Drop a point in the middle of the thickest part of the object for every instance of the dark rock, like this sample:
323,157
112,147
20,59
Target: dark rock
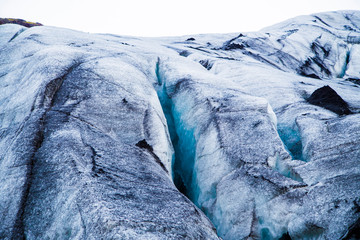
184,53
19,22
327,98
233,46
206,64
145,145
190,39
285,236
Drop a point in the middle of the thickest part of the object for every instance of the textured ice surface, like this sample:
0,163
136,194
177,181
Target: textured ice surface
73,111
97,129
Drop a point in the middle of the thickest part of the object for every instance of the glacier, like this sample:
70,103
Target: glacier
215,136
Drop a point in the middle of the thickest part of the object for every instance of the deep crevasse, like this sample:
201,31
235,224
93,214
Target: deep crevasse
182,139
202,159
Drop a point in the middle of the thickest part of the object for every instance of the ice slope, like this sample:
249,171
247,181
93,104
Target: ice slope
283,64
97,129
75,110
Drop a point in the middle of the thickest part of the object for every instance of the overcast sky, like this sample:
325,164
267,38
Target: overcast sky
166,17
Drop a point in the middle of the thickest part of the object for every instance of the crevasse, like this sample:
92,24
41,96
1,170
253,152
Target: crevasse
345,65
183,140
291,138
176,108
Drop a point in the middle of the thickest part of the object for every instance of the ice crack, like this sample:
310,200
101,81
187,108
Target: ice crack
182,139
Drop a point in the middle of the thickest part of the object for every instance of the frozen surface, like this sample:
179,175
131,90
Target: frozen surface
76,113
103,136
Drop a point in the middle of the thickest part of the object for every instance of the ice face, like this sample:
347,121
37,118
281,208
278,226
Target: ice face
238,210
106,136
212,126
75,120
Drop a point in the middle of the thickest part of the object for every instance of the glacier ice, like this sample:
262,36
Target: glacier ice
105,136
70,163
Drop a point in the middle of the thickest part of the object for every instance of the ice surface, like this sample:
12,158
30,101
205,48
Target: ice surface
105,136
73,112
9,32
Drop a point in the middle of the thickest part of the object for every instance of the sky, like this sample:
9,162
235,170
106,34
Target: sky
153,18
